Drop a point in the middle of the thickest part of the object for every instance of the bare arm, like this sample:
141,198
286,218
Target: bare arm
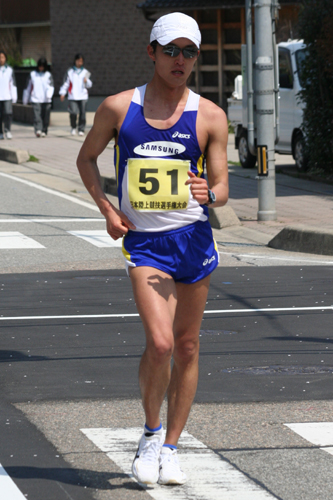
212,132
107,121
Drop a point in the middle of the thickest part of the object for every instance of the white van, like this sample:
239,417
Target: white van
291,54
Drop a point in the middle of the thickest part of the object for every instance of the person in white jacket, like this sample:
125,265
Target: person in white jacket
39,92
8,96
76,82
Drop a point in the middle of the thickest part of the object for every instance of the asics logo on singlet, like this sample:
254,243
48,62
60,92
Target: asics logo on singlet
159,148
208,261
181,136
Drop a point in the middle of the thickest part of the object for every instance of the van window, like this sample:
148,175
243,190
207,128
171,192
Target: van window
300,59
286,79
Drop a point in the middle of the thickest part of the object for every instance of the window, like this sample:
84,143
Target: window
300,58
286,79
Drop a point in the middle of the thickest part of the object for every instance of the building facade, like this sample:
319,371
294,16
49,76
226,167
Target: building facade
113,36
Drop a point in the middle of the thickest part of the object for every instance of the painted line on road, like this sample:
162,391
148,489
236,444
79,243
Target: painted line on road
77,219
98,238
291,259
13,240
52,191
209,476
317,433
9,490
126,315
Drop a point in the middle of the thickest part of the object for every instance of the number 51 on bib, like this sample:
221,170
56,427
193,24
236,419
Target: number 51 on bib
158,184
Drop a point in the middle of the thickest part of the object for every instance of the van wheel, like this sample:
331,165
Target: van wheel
247,160
300,159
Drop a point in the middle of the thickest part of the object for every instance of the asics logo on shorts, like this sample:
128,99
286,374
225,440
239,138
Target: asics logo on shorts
181,136
208,261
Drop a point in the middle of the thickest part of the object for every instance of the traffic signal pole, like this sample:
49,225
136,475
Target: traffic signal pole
264,93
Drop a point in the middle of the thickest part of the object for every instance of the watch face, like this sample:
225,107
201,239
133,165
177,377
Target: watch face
212,197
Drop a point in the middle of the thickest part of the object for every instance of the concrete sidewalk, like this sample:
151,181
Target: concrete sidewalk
303,204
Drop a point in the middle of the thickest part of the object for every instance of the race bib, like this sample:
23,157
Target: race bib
158,184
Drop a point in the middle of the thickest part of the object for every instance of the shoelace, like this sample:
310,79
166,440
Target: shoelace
171,459
151,450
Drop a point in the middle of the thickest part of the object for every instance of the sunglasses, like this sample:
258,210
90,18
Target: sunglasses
174,51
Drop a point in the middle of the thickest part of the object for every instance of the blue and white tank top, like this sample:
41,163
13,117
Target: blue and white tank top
151,168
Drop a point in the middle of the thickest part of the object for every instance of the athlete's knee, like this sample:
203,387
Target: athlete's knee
186,350
160,350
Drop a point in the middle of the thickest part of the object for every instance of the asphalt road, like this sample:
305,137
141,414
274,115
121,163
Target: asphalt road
70,346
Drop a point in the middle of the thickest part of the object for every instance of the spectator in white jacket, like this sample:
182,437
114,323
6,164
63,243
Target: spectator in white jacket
39,92
76,82
8,96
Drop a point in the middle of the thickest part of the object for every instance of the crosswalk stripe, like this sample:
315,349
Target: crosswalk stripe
9,490
15,240
99,238
209,476
317,433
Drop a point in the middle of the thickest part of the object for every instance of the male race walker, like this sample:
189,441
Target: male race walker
165,135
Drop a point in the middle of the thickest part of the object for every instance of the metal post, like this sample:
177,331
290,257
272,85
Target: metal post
264,98
249,77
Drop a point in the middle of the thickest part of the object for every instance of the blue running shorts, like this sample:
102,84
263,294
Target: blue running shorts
188,254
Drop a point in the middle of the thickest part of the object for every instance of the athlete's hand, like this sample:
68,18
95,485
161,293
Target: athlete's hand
199,188
117,224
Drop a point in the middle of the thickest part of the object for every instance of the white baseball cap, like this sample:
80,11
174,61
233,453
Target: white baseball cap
175,25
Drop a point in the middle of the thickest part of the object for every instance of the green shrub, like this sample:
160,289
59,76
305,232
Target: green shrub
316,28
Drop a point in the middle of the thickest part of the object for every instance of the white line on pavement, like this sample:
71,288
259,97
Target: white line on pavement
209,476
9,490
317,433
77,219
99,238
217,311
298,260
14,240
52,191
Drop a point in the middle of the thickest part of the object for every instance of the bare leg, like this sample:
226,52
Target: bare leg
155,297
184,378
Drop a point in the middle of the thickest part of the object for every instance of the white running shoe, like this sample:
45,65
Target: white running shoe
170,471
9,135
38,133
81,132
43,134
145,466
73,131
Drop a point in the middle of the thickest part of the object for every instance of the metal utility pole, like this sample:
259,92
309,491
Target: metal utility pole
264,95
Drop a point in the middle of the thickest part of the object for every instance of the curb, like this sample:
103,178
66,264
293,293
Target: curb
13,155
304,239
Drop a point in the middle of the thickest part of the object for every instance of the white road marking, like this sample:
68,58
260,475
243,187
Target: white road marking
14,240
9,490
287,259
45,220
209,476
126,315
99,238
52,191
317,433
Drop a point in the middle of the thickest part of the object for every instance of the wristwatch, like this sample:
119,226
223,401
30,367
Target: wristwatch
211,198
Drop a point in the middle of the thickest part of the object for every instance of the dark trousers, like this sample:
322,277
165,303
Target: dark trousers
6,114
77,108
42,112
